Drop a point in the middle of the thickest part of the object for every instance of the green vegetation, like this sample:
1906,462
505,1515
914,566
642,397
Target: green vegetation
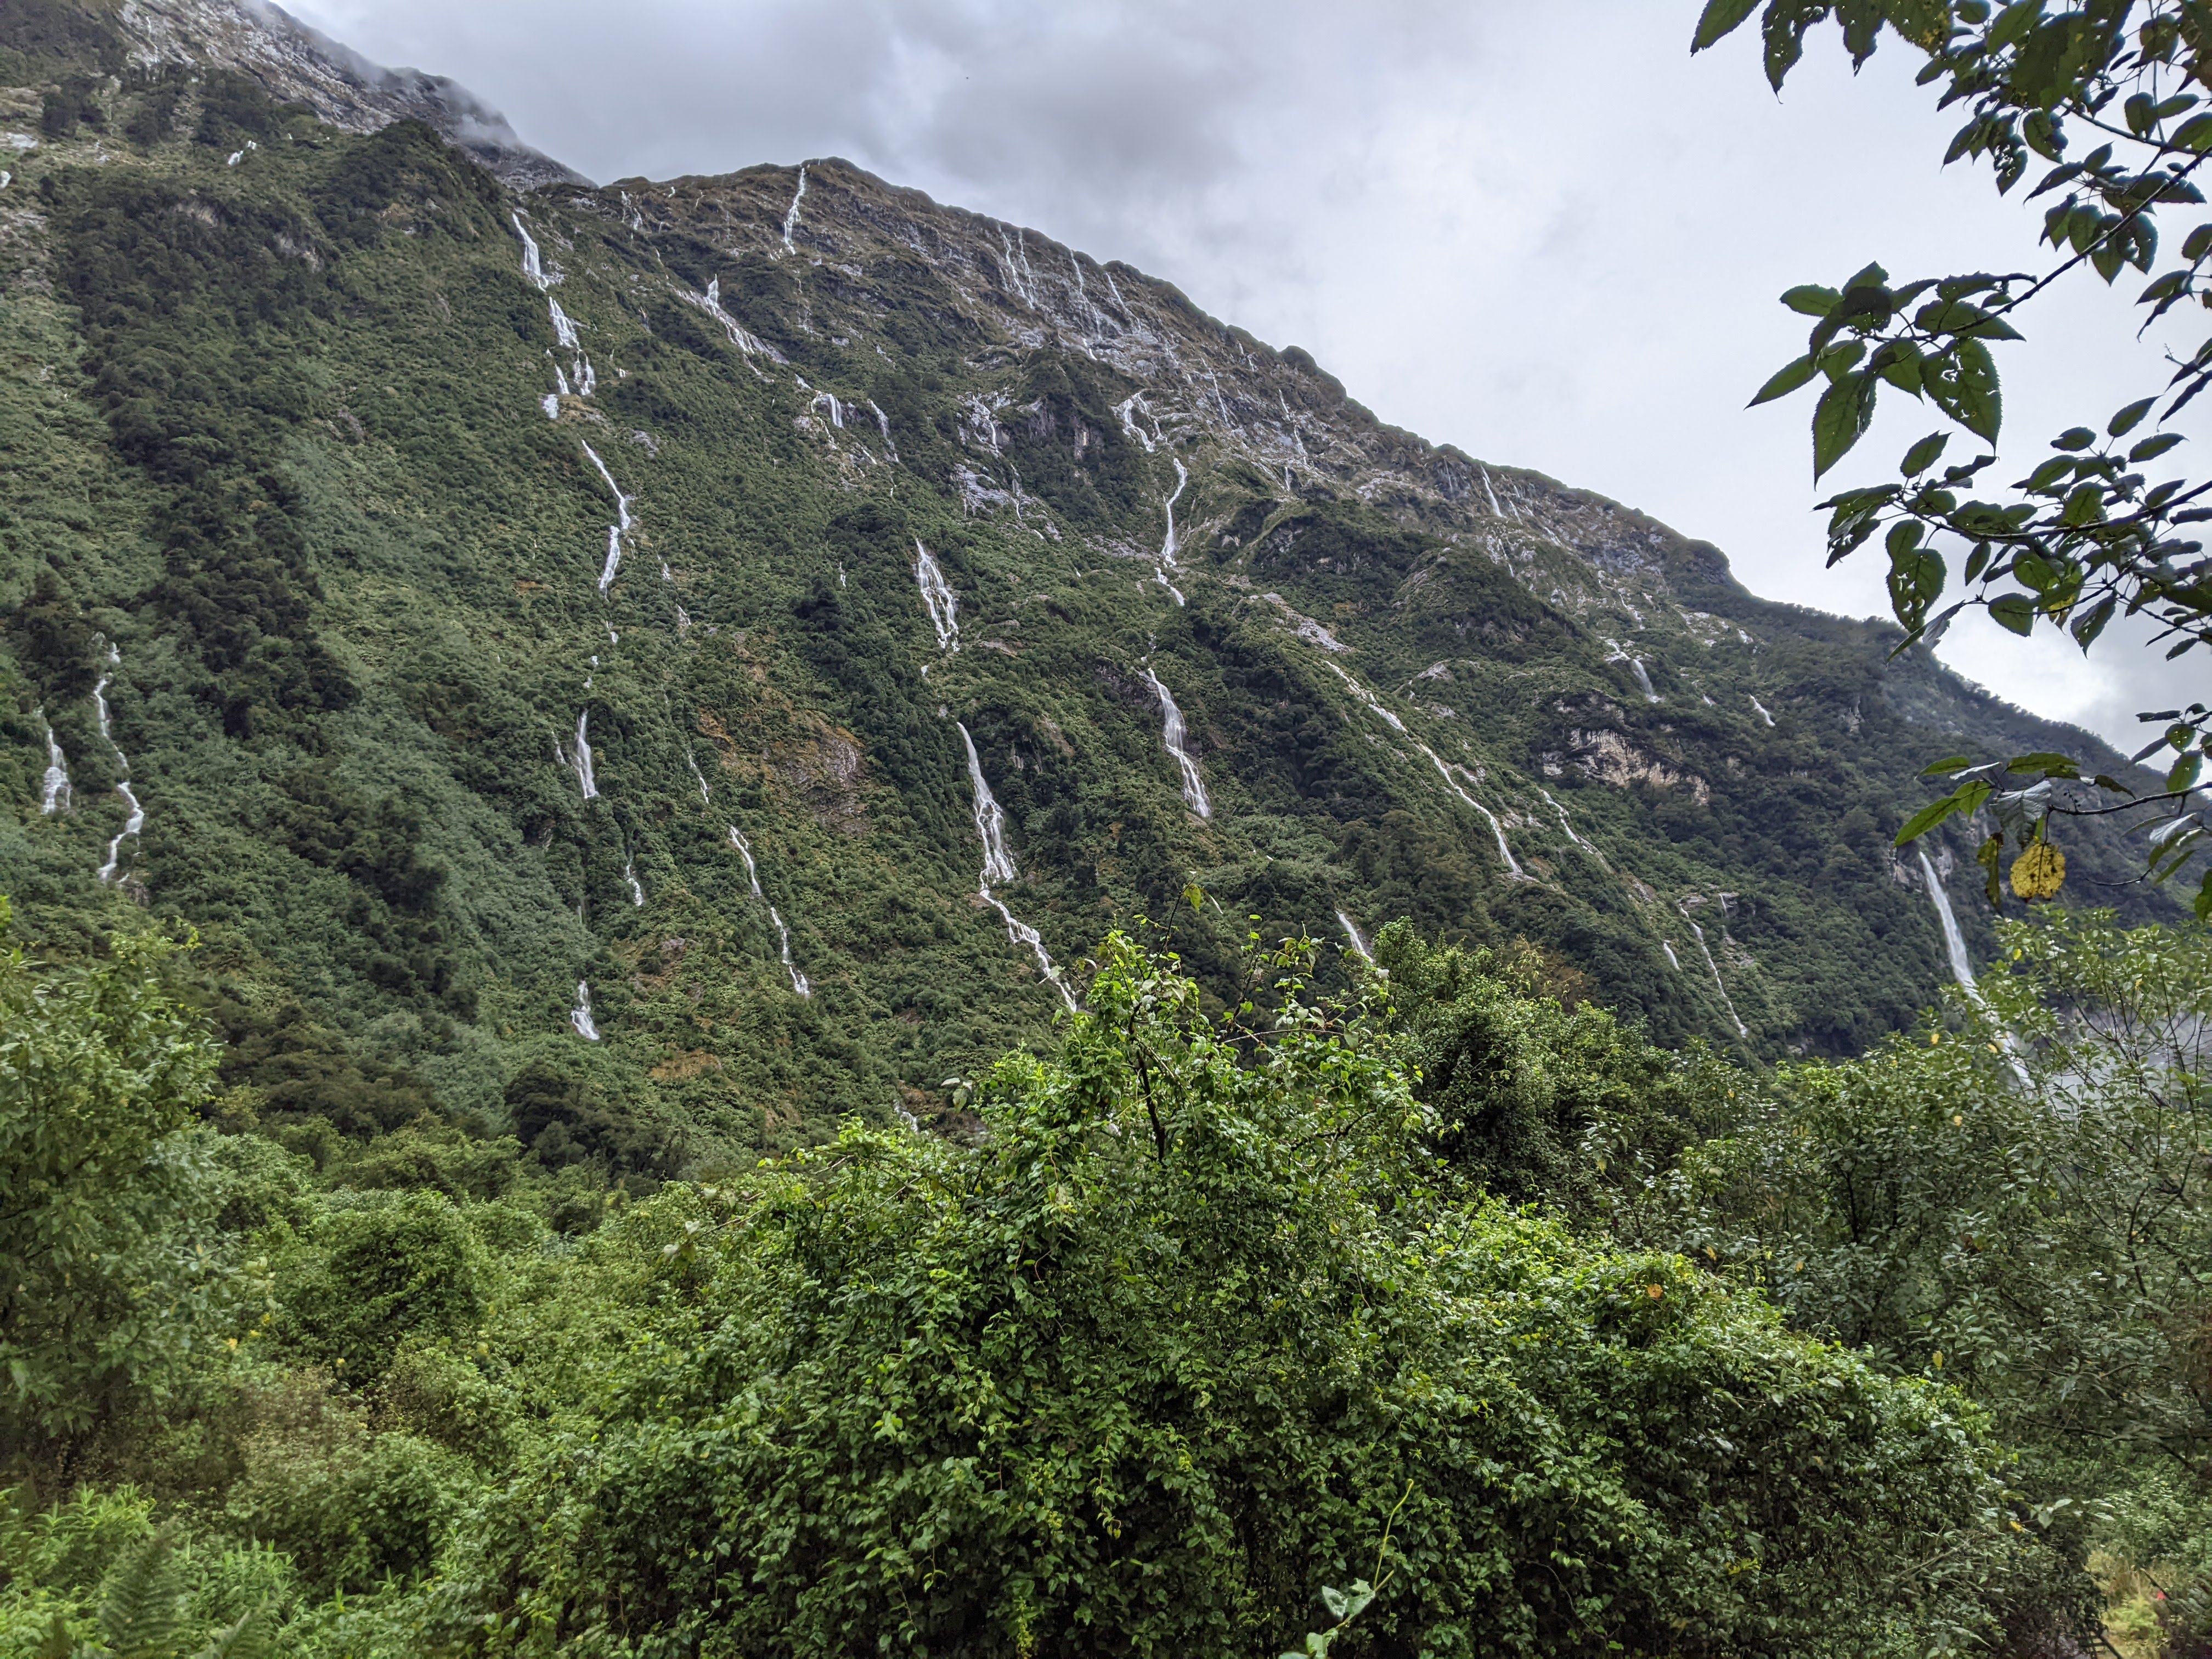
1869,1358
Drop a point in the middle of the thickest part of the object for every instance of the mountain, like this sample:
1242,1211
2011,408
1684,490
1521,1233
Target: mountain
739,641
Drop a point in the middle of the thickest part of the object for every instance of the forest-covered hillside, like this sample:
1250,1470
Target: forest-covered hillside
453,596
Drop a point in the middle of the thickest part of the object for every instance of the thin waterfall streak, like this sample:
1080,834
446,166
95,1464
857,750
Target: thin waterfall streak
705,798
791,214
799,980
1567,824
1962,966
134,818
1168,548
937,595
1673,961
580,1017
579,760
1194,783
54,787
998,865
636,887
1352,931
1741,1031
533,266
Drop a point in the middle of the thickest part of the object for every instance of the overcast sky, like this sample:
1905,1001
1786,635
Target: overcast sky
1542,233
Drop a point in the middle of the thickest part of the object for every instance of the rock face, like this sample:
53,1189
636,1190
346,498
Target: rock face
294,64
809,615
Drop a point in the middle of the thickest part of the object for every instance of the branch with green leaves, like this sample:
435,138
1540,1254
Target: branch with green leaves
2087,535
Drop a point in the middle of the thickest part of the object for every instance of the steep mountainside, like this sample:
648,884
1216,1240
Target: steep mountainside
743,639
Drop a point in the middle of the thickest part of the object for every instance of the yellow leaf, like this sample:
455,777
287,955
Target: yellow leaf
2038,873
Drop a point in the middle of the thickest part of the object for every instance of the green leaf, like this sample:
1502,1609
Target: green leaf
2015,611
1991,856
1841,419
2087,626
1923,454
1720,20
2078,437
2048,764
2130,417
2195,133
2184,775
1812,300
1785,382
1927,818
1964,383
1948,764
2151,449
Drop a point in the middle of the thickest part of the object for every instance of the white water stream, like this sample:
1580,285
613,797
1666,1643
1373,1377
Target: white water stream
998,865
1761,708
799,982
1514,872
136,820
1194,783
579,760
54,787
791,214
943,604
1962,965
1740,1029
1352,931
617,531
636,887
580,1017
1673,961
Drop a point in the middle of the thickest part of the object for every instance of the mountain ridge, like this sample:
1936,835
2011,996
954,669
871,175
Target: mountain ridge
516,607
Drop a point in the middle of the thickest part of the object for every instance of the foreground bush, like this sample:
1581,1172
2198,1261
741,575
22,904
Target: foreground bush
1153,1363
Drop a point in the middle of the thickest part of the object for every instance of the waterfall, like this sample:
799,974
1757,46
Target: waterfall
1761,708
580,761
54,787
135,820
883,422
1514,872
564,326
1673,961
616,530
1352,931
552,405
1194,784
1567,824
998,865
1740,1030
1129,421
704,797
533,266
799,982
637,888
1962,966
1167,547
1643,678
791,214
580,1017
937,594
836,409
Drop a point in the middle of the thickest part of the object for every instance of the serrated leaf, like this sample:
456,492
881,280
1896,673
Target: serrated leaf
1923,454
2130,418
1812,300
1964,383
1840,420
1720,18
1784,381
2151,449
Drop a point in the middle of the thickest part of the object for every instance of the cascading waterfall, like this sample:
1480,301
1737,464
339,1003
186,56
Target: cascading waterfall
1352,931
1126,409
998,865
1193,783
791,214
1673,961
1635,666
1761,708
943,604
616,530
54,787
1741,1031
1567,824
636,887
1513,870
580,1017
701,777
533,266
136,820
1168,546
579,760
799,982
1955,942
1962,965
836,409
884,424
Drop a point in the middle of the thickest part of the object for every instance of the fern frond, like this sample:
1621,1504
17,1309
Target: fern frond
141,1600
